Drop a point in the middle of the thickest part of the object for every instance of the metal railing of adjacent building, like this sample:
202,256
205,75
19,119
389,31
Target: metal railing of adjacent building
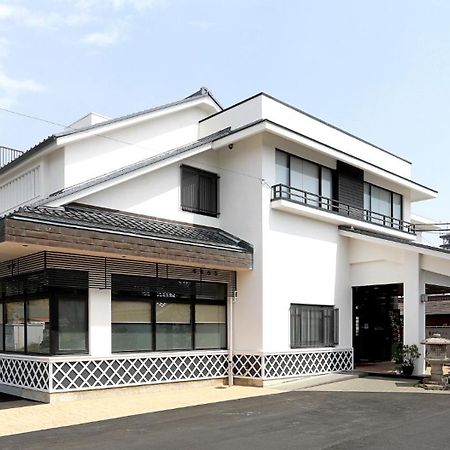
8,155
284,192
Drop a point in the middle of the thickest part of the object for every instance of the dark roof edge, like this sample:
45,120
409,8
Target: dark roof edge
205,90
27,154
308,115
348,154
392,239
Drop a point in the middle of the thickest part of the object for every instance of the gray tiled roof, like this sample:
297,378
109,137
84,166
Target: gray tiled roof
87,217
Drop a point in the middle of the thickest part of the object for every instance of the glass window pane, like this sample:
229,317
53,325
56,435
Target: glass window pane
310,177
326,187
397,206
131,311
210,326
327,182
296,173
210,314
210,335
131,337
367,196
72,320
173,337
38,326
173,327
380,204
15,327
211,291
282,168
173,313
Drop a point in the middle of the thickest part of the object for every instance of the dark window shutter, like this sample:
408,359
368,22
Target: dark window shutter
336,326
199,191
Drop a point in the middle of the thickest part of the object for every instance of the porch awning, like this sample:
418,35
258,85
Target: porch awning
111,232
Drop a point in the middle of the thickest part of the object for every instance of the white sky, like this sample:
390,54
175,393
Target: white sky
379,69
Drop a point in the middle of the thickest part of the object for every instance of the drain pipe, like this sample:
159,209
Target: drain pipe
231,301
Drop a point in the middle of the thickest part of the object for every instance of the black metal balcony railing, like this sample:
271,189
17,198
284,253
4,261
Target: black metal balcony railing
8,155
283,192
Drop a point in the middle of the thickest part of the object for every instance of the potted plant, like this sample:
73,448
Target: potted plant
404,356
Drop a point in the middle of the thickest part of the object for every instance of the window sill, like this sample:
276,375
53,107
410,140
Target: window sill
201,213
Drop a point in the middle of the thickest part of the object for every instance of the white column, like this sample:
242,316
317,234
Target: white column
99,322
414,309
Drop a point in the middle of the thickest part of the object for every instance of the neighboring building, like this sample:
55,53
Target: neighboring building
446,241
157,246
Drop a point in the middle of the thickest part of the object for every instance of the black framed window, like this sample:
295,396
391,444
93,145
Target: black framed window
173,326
71,320
199,191
15,326
314,326
210,326
40,318
131,325
152,314
313,180
38,325
385,204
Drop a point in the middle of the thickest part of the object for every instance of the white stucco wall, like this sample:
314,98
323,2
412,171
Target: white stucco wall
98,155
99,322
157,194
305,261
264,107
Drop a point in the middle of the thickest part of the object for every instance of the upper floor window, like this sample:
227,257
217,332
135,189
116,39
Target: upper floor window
385,205
199,191
305,176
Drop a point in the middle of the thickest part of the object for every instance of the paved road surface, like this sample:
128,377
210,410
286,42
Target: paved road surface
292,420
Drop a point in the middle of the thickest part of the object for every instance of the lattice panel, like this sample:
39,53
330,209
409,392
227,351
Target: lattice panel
307,363
247,366
91,374
24,373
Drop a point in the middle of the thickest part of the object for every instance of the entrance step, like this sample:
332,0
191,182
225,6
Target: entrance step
295,384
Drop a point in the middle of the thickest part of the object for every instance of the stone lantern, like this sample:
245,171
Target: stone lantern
436,356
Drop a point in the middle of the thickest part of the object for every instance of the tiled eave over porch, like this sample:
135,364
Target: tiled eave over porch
102,232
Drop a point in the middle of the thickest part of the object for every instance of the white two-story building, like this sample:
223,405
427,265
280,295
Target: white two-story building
192,242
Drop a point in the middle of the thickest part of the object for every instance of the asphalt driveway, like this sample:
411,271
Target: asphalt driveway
291,420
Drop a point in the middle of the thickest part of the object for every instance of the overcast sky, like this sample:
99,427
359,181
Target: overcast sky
379,69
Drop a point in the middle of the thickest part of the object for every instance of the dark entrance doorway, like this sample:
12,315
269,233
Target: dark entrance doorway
377,322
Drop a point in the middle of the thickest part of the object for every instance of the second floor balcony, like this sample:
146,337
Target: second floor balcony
281,192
